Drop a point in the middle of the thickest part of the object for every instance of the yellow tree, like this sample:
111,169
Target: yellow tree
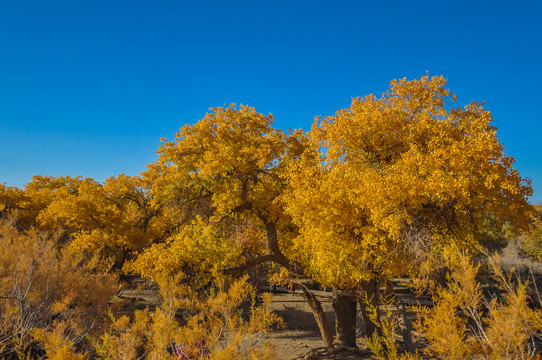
115,218
26,204
222,179
398,175
11,200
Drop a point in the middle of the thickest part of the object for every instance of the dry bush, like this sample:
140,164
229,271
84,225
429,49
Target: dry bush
513,258
466,322
530,242
50,298
213,326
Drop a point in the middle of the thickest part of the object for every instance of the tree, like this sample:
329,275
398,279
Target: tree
224,177
530,242
28,203
398,176
115,218
11,199
225,171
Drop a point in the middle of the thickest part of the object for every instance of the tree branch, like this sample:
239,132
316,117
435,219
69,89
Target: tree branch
278,258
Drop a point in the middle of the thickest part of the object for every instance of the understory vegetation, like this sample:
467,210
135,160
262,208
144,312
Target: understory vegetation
404,185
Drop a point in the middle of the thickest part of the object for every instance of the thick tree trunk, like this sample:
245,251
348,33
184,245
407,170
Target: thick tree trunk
272,240
319,316
344,307
369,298
406,327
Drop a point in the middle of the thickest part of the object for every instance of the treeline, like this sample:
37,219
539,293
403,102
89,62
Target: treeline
390,186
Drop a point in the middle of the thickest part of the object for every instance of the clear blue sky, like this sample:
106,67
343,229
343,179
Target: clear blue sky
88,87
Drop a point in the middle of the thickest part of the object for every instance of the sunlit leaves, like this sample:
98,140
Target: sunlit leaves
404,160
232,155
221,178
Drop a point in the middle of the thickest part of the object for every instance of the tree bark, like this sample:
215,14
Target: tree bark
272,240
369,297
319,316
344,307
406,327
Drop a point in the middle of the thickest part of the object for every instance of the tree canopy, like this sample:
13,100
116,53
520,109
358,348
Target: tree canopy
390,175
223,176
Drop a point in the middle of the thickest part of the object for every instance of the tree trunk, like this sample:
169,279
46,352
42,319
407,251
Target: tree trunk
272,240
369,298
344,307
319,316
406,327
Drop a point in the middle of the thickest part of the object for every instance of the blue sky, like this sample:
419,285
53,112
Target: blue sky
89,87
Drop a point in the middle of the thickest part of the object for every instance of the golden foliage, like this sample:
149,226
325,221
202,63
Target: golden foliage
231,155
114,219
198,248
11,200
222,180
402,162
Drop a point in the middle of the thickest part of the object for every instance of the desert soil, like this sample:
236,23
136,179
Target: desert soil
301,338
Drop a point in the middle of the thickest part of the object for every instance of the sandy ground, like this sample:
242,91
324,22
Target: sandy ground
299,339
301,333
296,340
301,336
